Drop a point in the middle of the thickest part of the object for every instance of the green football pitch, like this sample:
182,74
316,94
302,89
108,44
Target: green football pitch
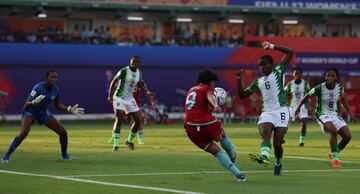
169,163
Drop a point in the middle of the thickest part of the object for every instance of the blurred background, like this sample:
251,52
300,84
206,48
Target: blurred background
88,41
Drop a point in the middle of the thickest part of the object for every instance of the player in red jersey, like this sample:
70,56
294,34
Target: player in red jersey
202,128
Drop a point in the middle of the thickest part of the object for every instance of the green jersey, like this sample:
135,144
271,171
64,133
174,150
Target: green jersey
326,99
128,81
271,88
297,92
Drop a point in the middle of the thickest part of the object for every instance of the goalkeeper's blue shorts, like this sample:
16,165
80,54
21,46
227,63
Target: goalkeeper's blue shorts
40,117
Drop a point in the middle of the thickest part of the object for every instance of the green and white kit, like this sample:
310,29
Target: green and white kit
274,103
124,93
326,109
298,91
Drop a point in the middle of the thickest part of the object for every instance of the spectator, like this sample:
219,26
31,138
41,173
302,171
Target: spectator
51,33
162,113
187,34
83,35
75,35
31,38
41,34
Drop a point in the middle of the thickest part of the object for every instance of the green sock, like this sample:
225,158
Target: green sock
131,137
265,149
335,152
116,136
302,139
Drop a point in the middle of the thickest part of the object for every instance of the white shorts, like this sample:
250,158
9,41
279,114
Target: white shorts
127,105
279,117
336,120
303,114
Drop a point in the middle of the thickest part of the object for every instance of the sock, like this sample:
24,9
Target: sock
140,134
116,138
131,137
228,146
335,152
278,158
224,160
64,143
265,149
277,161
302,139
16,142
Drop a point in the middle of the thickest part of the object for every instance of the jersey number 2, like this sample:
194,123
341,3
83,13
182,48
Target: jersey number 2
190,100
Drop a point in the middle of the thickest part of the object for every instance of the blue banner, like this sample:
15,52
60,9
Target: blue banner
110,55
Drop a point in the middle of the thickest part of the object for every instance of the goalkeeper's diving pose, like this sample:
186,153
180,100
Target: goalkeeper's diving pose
35,109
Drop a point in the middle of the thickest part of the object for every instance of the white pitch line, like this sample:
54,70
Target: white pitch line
312,158
100,182
212,172
320,159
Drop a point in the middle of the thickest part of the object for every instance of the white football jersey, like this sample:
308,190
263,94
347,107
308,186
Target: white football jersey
297,92
128,81
271,88
326,99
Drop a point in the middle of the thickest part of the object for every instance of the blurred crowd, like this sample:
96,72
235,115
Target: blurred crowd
102,35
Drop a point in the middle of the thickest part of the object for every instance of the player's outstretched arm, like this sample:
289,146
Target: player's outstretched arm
303,100
346,105
241,92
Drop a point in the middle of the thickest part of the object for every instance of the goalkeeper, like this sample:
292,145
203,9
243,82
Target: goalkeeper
35,109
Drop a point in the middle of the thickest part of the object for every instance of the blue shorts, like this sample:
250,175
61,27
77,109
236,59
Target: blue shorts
41,117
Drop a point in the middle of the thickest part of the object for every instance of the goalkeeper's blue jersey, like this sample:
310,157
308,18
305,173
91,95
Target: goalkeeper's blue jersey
50,96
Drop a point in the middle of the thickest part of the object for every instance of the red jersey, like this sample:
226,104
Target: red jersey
197,106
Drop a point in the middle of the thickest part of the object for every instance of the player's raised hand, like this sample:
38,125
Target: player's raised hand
239,74
266,45
78,111
38,99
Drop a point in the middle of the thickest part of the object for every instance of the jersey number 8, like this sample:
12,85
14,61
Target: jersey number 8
267,85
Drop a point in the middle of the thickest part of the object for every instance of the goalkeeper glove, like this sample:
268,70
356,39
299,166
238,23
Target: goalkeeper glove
78,111
38,99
